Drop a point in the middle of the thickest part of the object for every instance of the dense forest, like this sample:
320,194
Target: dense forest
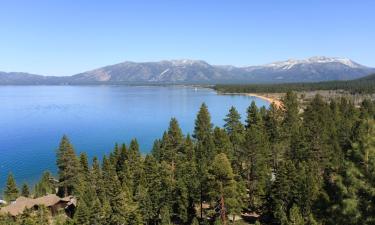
365,85
280,166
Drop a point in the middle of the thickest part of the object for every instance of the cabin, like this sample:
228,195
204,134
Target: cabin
54,204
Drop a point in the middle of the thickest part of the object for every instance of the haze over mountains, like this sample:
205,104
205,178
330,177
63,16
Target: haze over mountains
200,72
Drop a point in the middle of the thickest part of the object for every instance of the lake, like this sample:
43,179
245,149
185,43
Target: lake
34,118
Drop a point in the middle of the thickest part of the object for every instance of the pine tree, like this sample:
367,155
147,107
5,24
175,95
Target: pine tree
165,216
254,118
295,216
25,192
135,166
291,112
97,181
68,167
82,214
204,148
222,143
45,185
256,166
11,191
187,182
203,125
236,131
122,166
181,205
223,185
318,127
84,164
272,123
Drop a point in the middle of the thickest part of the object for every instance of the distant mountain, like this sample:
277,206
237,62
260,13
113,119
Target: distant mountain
309,70
174,71
16,78
194,71
200,72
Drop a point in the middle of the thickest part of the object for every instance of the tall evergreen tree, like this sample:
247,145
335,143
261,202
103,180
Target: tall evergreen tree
204,148
68,167
11,191
223,185
256,167
236,131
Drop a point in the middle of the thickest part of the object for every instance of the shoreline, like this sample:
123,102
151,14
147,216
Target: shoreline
271,100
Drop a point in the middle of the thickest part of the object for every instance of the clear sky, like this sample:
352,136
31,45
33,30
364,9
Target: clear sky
65,37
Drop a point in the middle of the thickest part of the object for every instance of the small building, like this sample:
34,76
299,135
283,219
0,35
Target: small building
2,202
53,202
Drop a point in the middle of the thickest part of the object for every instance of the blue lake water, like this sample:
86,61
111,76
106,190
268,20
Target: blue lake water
34,118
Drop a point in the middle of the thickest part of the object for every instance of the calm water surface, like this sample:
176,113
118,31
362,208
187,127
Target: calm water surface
34,118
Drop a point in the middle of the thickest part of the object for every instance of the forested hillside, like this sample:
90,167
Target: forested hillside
279,167
365,85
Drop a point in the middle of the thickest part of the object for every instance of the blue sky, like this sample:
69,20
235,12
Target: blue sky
64,37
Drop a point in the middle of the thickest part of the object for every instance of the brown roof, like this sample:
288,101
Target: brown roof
48,200
21,203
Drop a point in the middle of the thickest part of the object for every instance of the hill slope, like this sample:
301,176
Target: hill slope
362,85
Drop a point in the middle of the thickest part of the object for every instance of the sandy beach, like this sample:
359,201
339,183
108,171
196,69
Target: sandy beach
274,100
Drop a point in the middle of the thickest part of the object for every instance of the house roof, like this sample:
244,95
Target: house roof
22,203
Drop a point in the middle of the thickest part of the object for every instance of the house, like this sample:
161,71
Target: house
2,202
53,202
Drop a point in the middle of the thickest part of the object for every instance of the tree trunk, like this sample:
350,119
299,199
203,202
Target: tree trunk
222,211
201,201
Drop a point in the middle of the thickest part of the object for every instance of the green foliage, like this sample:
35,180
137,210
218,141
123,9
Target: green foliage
68,166
25,191
11,191
45,185
289,166
362,85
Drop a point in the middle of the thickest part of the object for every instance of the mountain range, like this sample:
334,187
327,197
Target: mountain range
200,72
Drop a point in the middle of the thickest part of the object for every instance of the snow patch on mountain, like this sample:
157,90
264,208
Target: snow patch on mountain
289,64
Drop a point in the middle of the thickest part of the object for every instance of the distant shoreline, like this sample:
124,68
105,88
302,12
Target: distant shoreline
269,99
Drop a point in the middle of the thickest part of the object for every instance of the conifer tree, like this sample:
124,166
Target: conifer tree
236,131
295,216
254,118
203,125
135,166
11,191
204,148
165,216
291,112
82,215
97,180
25,192
45,185
123,167
256,167
83,160
318,127
222,143
272,123
223,185
68,167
